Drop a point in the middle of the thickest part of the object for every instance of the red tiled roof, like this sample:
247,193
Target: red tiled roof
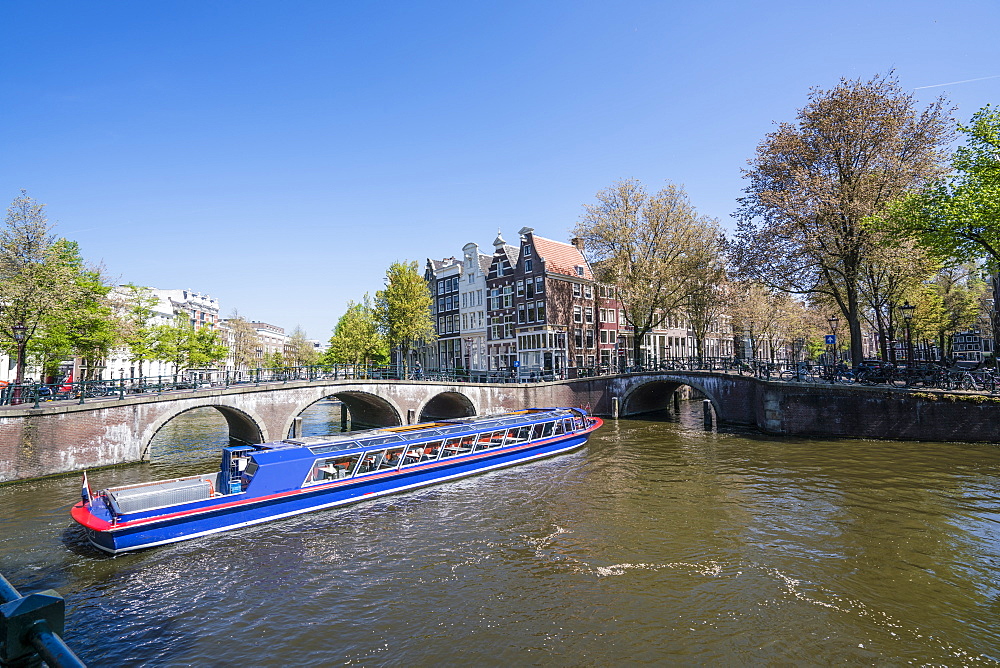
561,258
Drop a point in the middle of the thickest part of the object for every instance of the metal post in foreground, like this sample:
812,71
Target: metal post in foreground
614,407
30,627
706,407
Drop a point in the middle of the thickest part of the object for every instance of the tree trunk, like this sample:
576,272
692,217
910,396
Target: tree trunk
995,316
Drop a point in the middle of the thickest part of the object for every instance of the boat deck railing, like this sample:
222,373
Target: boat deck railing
148,496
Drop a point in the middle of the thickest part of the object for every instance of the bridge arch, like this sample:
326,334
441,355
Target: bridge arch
244,424
446,405
651,395
365,408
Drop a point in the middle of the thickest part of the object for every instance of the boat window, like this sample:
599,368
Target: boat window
557,427
392,459
511,437
536,431
458,446
380,440
487,440
250,469
332,468
421,452
546,430
380,460
323,449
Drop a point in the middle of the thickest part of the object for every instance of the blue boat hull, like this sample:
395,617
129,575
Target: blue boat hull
144,530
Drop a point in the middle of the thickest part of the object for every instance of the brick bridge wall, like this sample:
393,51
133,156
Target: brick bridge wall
70,437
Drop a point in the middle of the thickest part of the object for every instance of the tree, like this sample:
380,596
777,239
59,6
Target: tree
647,247
708,292
804,224
356,338
768,319
86,327
958,217
187,347
37,284
136,304
892,273
403,309
244,343
205,348
300,351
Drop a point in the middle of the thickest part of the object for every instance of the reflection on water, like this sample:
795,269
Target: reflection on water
658,542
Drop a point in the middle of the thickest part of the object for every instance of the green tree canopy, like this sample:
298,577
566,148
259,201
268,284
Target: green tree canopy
403,309
357,338
958,217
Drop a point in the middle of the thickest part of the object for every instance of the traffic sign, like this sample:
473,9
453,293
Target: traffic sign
517,363
831,339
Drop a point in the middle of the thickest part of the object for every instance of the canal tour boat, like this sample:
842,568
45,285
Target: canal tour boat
268,481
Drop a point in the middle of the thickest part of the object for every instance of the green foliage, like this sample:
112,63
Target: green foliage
185,347
403,308
136,307
48,293
357,338
959,217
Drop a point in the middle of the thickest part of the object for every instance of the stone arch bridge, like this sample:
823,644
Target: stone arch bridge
59,437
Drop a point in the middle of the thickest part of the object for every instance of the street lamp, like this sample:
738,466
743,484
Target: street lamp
620,353
907,310
833,320
20,333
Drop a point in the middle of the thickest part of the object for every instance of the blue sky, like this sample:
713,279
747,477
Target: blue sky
280,155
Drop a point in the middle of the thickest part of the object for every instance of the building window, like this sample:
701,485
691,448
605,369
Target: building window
520,288
578,337
589,315
540,311
539,284
520,314
590,338
579,270
588,292
508,296
576,289
527,251
527,265
577,314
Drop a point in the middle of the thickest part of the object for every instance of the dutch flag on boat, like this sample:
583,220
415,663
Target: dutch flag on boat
85,492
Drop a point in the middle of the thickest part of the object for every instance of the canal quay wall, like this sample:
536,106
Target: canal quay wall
61,437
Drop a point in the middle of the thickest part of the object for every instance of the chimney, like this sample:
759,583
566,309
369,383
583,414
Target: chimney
577,243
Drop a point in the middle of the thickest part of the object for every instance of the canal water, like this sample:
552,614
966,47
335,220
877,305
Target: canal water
657,543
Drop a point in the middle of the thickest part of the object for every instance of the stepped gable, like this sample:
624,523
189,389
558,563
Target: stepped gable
561,258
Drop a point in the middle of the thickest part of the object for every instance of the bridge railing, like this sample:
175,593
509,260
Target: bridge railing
33,394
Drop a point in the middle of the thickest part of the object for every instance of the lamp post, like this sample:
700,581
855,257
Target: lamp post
833,320
907,310
20,333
